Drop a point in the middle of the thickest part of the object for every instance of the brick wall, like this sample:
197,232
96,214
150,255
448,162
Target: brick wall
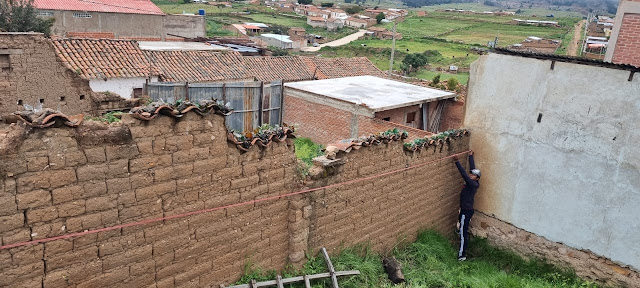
324,125
58,181
627,48
31,73
382,211
586,264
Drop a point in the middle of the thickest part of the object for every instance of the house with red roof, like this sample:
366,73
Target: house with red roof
118,19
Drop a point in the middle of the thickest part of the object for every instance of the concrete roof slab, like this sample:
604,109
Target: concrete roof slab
378,94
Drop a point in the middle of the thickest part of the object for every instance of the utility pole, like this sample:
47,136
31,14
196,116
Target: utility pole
393,48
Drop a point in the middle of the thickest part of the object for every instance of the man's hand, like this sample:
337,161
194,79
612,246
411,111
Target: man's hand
470,152
455,158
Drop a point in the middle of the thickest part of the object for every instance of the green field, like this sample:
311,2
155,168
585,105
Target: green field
431,262
418,27
180,7
525,10
463,78
507,33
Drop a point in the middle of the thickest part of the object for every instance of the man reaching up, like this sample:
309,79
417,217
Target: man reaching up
471,184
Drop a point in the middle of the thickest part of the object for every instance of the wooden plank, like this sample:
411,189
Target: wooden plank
298,279
279,281
334,279
307,283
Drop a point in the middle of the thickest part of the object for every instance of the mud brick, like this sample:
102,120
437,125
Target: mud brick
84,222
148,209
141,179
59,178
165,244
228,173
109,217
12,165
165,283
118,168
245,182
92,172
37,163
15,236
27,254
209,165
57,247
129,256
8,205
107,279
191,251
145,147
74,158
94,188
101,203
77,256
66,194
127,151
41,214
175,269
143,280
182,171
141,268
95,155
33,199
182,142
126,199
155,190
163,174
118,185
33,181
21,274
193,273
139,164
10,186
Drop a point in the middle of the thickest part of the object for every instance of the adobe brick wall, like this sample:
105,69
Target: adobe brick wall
64,180
58,181
382,211
586,264
30,72
627,48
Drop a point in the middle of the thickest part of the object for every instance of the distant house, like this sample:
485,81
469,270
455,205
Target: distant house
337,13
250,29
316,21
334,24
278,41
536,22
352,104
356,22
135,19
382,33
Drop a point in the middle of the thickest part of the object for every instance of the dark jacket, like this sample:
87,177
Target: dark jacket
470,186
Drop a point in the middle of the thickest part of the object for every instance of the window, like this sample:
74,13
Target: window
137,92
45,13
411,117
81,15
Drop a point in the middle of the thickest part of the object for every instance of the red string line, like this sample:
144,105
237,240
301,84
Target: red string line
77,234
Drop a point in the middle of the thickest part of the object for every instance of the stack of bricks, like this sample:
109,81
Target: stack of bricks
58,181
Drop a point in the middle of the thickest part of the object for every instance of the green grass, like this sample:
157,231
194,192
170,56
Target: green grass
526,11
463,78
279,20
306,150
418,27
180,7
507,34
431,262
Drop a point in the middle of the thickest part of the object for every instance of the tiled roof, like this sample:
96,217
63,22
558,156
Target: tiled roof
287,68
328,68
198,66
97,59
108,6
316,19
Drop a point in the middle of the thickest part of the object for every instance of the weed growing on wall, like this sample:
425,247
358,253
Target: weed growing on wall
306,150
431,262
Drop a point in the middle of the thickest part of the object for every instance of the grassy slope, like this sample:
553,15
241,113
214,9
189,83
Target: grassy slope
431,262
526,11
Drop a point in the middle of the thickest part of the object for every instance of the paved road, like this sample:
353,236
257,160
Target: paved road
577,34
335,43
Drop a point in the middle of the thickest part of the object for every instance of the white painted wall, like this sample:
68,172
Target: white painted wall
121,86
572,178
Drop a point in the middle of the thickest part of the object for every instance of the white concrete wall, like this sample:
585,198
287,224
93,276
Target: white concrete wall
121,86
572,178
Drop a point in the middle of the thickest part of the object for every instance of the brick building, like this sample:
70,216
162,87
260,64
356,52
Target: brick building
119,19
334,109
624,44
32,74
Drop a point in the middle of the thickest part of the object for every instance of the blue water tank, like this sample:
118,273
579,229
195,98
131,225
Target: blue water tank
201,12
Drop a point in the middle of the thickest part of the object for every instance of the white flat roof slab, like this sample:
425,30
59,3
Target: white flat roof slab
178,46
376,93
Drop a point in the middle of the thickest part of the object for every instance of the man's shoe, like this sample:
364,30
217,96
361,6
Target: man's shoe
462,258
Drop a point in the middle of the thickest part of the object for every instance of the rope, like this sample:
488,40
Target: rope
143,222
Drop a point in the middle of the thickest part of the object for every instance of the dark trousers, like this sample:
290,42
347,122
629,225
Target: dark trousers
464,218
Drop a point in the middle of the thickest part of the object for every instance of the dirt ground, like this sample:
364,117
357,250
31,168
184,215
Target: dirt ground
577,34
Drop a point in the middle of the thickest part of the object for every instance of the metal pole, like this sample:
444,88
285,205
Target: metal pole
393,48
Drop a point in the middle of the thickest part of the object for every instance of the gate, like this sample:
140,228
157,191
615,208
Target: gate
253,103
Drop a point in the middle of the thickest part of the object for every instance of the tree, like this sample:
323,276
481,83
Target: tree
353,9
379,17
436,79
21,16
414,61
326,4
305,2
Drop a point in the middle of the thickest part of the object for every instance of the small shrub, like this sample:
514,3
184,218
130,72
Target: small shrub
436,79
452,84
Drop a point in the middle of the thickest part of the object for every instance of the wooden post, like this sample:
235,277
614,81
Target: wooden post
332,272
279,281
307,283
393,48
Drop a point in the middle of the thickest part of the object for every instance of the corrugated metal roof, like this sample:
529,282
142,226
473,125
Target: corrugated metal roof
107,6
